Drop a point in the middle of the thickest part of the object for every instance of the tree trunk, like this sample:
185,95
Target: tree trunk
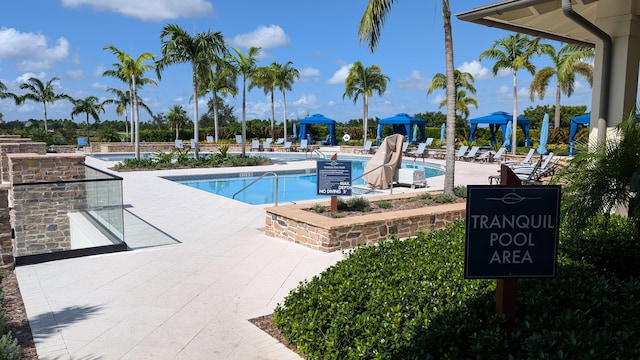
44,104
244,116
196,135
133,118
450,161
284,108
556,115
365,116
136,114
215,115
273,116
515,114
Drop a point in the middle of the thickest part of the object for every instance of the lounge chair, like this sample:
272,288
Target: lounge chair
280,141
517,168
461,152
304,145
287,146
255,145
178,144
82,142
418,152
497,155
429,141
405,147
525,161
209,138
266,145
366,149
472,153
485,156
238,139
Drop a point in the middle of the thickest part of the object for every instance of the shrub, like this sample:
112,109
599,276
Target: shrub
408,300
319,208
444,198
354,204
460,191
609,243
383,204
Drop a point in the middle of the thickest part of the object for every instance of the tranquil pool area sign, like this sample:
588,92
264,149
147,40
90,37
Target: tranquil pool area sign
511,231
333,177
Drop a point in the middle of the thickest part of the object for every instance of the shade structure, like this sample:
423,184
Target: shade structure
442,129
402,124
544,135
499,119
318,119
576,122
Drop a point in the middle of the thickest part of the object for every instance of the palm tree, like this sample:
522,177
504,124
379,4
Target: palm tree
42,93
220,80
245,66
369,30
202,51
514,53
464,81
364,81
286,75
265,77
566,64
89,106
177,117
122,101
462,103
131,72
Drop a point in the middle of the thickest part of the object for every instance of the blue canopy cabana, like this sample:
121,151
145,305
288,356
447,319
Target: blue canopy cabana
318,119
402,124
576,122
499,119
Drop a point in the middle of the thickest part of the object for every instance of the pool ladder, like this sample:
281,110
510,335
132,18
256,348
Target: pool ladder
254,181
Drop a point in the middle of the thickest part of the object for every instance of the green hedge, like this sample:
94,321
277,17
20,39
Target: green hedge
408,300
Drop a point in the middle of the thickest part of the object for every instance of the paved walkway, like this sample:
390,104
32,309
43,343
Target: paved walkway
191,294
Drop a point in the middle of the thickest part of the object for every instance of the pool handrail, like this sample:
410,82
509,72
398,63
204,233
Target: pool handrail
374,169
254,181
316,151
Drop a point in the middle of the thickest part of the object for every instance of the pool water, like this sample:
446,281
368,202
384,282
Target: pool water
292,187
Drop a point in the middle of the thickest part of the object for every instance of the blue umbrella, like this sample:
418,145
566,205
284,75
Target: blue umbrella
295,135
415,134
442,132
544,135
507,136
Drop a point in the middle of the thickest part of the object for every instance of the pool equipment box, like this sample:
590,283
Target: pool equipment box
333,178
511,231
412,177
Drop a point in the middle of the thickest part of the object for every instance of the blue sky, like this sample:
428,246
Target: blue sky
65,38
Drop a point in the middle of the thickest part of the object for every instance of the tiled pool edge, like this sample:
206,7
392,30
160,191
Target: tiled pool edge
294,223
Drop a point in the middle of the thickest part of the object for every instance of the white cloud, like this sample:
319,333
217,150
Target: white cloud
32,49
75,74
504,72
414,82
503,89
266,37
99,86
309,73
26,76
341,75
332,103
148,10
306,101
476,69
100,69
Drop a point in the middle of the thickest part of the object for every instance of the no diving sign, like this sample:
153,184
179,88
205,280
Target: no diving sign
511,231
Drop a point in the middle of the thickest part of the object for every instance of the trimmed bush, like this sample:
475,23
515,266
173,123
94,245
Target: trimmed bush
408,300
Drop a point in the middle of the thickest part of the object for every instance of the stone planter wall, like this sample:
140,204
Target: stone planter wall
319,232
26,146
41,201
7,246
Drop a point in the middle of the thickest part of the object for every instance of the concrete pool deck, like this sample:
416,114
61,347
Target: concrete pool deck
186,300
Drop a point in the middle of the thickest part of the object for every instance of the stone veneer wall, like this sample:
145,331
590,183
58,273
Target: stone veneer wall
39,212
15,148
7,246
328,234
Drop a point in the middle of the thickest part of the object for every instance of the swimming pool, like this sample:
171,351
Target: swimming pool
293,186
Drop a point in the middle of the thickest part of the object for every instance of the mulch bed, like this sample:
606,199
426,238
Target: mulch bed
265,323
15,316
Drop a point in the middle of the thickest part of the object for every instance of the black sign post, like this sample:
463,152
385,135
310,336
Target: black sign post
333,178
511,233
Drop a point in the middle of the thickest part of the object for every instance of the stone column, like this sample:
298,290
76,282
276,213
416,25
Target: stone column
7,246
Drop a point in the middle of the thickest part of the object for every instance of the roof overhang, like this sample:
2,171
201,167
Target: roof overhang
541,18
